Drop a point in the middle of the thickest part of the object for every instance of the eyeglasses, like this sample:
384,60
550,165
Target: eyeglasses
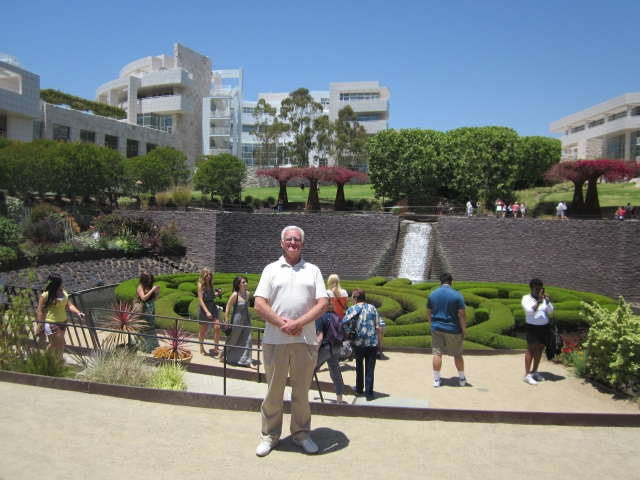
293,240
207,274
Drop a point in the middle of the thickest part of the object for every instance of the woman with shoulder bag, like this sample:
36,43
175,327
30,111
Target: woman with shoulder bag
207,310
328,353
52,309
238,307
537,308
147,294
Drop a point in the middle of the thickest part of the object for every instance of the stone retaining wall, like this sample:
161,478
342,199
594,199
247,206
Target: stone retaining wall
596,256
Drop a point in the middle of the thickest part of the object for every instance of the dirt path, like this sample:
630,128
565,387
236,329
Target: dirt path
51,434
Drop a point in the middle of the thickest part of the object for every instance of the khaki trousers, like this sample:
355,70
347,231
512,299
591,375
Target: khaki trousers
296,360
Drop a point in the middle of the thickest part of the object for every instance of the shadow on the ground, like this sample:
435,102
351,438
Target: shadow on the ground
552,377
453,382
613,394
328,440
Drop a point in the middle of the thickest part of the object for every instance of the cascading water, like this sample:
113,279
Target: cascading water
415,252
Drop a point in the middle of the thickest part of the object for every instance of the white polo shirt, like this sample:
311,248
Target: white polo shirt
291,291
539,316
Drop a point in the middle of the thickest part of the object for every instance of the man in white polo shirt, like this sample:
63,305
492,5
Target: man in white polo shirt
290,296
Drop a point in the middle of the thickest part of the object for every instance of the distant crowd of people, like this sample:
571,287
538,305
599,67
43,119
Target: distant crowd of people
513,210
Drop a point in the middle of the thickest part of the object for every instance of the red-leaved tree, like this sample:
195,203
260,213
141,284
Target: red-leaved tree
314,175
581,171
282,176
340,176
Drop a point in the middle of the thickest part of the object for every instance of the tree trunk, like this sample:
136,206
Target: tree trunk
73,205
592,202
283,195
313,201
340,204
577,204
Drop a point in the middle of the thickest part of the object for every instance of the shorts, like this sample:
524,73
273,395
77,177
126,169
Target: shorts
51,328
449,343
537,334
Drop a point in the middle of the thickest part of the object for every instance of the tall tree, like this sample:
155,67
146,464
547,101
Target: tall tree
80,170
282,176
28,167
581,171
270,131
483,161
350,139
406,164
324,139
300,110
340,176
221,175
537,156
314,175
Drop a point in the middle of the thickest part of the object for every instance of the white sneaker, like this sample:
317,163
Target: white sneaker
536,376
309,445
436,383
462,381
529,379
265,448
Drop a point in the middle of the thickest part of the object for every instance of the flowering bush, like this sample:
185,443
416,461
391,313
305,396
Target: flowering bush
87,242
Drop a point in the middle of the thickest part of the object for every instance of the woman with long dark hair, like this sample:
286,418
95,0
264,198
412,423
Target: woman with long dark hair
207,310
238,308
147,293
52,309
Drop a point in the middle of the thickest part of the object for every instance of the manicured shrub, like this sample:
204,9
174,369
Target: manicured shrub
407,330
482,315
387,307
398,282
613,346
181,307
375,281
481,292
188,287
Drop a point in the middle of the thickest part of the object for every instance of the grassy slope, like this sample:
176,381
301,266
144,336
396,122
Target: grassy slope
610,195
295,194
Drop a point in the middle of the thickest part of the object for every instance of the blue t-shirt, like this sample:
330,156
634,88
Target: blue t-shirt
444,303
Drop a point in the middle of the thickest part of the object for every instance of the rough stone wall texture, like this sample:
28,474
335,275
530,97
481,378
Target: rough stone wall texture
596,256
353,246
594,148
189,127
197,229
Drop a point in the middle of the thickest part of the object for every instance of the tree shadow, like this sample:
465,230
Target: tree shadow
328,440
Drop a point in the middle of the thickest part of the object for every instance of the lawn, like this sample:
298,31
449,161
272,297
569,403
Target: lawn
295,194
610,195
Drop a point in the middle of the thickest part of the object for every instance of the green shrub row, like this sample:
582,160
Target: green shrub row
56,97
492,332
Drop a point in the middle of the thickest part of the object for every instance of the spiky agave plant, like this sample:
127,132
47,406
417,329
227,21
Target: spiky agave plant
176,345
123,319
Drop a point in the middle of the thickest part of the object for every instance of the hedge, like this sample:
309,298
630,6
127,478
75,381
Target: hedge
56,97
491,318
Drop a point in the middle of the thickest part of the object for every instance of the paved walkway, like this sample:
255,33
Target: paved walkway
52,434
495,383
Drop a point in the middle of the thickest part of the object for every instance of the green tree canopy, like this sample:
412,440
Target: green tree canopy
159,170
483,161
220,175
175,162
350,139
300,110
406,164
28,167
537,156
270,132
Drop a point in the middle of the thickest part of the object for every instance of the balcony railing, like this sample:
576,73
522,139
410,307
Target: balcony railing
220,113
223,91
218,151
220,131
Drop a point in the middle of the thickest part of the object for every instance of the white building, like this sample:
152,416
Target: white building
610,129
19,100
229,125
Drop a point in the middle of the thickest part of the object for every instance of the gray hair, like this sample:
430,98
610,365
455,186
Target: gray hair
292,227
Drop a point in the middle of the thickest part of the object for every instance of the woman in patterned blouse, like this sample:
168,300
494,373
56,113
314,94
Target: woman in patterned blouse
366,342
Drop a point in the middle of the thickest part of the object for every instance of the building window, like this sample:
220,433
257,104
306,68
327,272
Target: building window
634,154
156,92
635,111
61,132
87,137
248,110
367,118
132,148
111,141
615,147
350,97
156,121
248,128
11,81
595,123
616,116
577,129
151,147
325,103
37,130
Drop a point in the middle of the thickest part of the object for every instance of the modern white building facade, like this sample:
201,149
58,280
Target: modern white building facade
610,130
19,100
369,101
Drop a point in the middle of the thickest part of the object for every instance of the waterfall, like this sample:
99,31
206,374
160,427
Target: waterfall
415,252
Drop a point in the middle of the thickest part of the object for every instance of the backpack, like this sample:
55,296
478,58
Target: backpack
335,330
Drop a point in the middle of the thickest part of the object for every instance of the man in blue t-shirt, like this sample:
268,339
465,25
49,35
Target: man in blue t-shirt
448,320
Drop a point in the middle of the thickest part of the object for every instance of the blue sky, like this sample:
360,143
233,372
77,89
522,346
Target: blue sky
447,63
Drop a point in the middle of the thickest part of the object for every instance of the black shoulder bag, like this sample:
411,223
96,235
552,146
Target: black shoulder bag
227,328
